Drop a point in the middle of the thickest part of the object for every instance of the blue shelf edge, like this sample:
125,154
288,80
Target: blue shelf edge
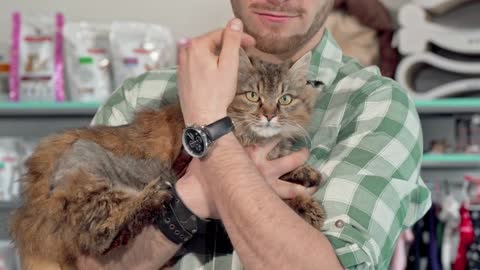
451,160
48,105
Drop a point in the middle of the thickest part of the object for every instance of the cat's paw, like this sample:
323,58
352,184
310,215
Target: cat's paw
309,209
304,175
154,195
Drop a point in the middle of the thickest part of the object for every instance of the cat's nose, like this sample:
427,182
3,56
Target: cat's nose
269,116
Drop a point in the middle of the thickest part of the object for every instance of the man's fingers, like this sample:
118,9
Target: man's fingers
311,190
182,58
247,40
259,154
266,149
231,40
287,190
288,163
182,51
214,39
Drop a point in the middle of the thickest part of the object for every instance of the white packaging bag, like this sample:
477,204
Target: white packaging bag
87,57
139,47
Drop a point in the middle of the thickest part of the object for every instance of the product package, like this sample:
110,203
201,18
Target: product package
87,59
36,59
13,153
10,159
8,256
139,47
4,70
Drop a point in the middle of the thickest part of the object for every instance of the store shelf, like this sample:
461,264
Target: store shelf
449,105
451,161
8,206
47,108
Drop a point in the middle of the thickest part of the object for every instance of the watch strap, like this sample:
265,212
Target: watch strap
177,222
219,128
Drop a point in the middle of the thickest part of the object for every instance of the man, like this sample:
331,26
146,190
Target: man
366,141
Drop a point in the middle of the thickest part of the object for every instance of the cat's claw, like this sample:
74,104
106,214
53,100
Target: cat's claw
305,176
309,209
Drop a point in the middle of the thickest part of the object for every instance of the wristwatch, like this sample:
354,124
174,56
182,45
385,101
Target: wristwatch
197,139
177,222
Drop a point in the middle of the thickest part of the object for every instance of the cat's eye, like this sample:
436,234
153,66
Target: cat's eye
252,96
285,100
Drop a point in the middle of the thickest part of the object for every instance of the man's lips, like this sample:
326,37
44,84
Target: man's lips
275,16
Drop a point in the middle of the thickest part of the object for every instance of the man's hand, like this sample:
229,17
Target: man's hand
272,170
195,193
207,77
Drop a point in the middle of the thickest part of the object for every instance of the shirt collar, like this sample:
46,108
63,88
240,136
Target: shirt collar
326,61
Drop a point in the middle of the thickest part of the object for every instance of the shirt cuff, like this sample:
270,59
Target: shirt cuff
354,247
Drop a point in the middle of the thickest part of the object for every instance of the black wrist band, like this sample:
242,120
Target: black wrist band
219,128
177,222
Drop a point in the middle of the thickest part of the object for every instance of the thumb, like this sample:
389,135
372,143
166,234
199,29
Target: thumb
232,37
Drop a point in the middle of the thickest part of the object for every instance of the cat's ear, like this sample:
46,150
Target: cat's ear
299,70
244,62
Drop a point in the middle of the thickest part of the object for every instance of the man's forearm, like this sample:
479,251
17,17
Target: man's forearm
266,233
149,250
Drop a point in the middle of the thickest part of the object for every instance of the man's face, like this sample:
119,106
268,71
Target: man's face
282,26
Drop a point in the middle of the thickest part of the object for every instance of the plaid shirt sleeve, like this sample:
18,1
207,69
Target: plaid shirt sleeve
373,187
149,90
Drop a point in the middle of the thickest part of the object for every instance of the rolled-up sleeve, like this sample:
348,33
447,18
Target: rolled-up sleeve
373,189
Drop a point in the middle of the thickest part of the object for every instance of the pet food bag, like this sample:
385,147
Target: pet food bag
139,47
87,59
10,168
36,68
4,70
8,256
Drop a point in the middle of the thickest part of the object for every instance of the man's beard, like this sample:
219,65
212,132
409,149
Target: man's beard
274,44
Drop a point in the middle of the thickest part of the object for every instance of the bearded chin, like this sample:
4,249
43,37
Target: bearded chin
279,45
274,43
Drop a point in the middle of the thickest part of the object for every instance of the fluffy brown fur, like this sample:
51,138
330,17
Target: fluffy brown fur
76,204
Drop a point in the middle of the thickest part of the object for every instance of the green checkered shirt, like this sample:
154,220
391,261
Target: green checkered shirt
366,140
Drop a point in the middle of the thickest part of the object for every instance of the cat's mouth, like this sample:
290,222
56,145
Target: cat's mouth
267,130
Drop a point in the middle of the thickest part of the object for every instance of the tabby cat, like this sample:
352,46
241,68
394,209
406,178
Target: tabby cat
85,187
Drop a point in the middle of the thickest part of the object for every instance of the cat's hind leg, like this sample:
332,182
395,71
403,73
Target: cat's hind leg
97,212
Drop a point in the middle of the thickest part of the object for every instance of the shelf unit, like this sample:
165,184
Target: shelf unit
438,122
47,108
448,106
39,119
454,161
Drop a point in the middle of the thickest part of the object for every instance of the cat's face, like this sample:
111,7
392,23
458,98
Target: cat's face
272,100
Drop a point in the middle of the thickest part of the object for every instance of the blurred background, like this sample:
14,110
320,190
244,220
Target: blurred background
60,60
184,18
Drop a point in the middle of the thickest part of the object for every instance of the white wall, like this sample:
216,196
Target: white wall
183,17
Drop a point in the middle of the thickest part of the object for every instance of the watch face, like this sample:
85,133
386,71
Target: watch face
194,141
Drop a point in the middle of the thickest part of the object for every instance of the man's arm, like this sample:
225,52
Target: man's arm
266,233
148,250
